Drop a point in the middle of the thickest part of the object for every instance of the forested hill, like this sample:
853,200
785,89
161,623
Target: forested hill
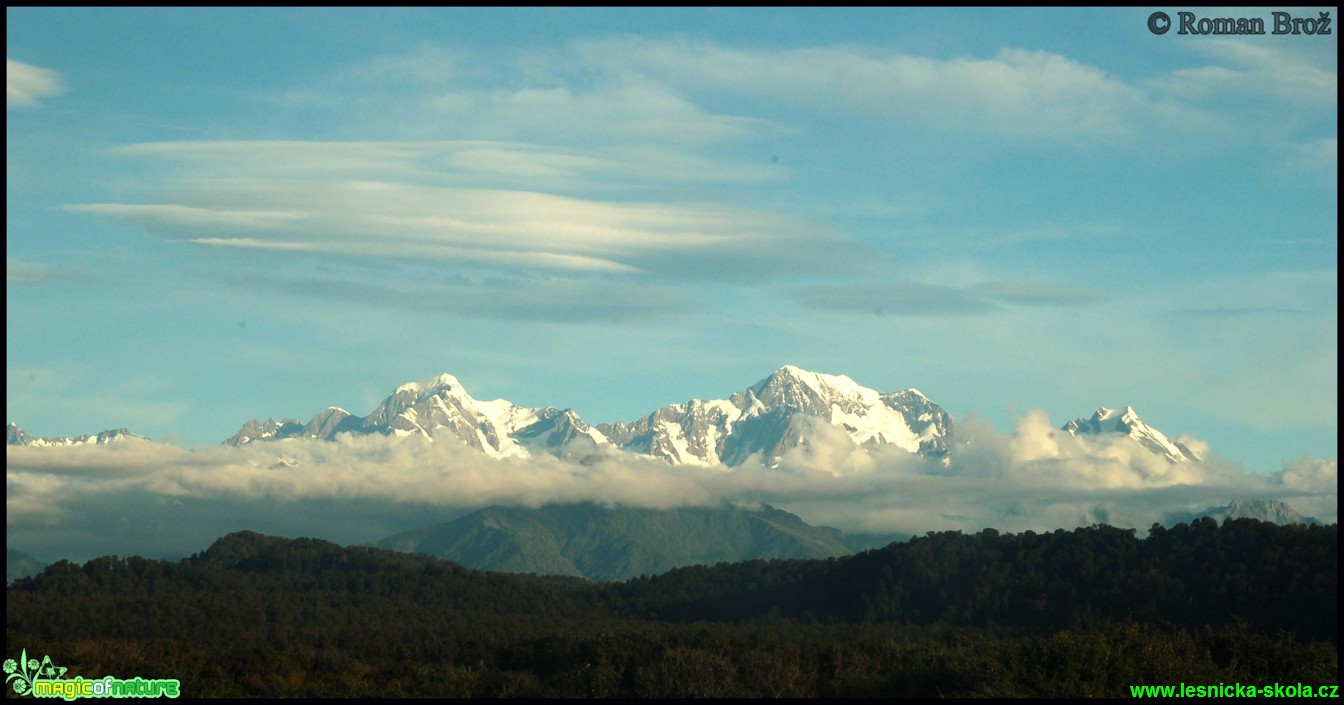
318,607
617,543
1271,577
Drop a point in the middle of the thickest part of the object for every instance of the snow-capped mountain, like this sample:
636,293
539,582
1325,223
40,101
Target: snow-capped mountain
776,414
769,418
439,408
1126,421
16,436
268,430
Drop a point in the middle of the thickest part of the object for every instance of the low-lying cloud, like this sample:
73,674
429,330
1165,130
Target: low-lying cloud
161,500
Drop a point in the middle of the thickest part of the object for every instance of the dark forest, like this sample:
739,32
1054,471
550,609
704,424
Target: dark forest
1086,612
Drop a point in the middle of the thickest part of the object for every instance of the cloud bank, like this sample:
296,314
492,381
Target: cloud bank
161,500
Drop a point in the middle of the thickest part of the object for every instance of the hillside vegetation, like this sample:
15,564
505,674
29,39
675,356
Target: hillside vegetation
1084,612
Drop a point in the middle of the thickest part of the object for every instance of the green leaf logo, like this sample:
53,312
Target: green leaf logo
23,672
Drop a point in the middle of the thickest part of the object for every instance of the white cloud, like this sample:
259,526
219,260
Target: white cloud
1016,93
448,162
1257,67
27,85
81,501
411,201
1308,474
1315,486
641,90
251,242
191,217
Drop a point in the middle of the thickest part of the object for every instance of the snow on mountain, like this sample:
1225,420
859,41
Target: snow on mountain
327,423
1126,421
435,409
15,436
555,431
769,418
268,430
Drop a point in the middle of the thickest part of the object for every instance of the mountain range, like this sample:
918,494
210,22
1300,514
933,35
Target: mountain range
764,420
787,410
784,411
15,436
435,409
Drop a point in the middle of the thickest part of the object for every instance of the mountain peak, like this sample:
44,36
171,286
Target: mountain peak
15,436
442,381
789,379
1125,413
798,373
779,414
1125,420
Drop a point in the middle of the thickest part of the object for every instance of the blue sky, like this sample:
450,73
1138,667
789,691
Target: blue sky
215,215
